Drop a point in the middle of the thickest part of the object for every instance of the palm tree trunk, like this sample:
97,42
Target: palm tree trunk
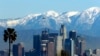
9,46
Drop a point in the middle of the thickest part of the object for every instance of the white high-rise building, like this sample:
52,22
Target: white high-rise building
59,45
63,33
61,40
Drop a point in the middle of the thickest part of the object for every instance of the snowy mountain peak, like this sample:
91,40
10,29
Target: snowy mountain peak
69,14
52,13
90,13
94,10
33,15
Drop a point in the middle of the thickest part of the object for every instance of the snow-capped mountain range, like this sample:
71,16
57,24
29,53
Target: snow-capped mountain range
86,21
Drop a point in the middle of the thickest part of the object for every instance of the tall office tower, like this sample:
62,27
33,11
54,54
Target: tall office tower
37,45
97,52
69,44
18,50
53,38
44,42
44,50
59,46
51,46
63,33
15,50
80,45
51,49
72,35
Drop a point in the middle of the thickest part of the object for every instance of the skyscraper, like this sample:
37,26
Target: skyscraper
51,49
69,44
15,50
53,39
44,50
61,40
51,46
59,47
80,46
63,33
72,35
18,49
37,45
44,42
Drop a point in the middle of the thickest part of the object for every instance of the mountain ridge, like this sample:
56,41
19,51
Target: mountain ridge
85,23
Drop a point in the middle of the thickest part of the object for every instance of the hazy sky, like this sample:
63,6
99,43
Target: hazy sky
21,8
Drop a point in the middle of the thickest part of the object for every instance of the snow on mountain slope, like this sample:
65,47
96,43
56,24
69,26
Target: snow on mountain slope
72,13
81,21
87,18
66,17
52,13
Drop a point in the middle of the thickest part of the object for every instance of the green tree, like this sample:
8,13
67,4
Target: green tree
10,36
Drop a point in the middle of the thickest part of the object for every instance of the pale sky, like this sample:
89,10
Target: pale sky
21,8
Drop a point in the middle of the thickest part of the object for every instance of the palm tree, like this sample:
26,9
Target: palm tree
10,34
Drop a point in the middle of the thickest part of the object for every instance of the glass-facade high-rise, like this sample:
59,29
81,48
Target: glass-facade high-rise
37,45
18,49
69,47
